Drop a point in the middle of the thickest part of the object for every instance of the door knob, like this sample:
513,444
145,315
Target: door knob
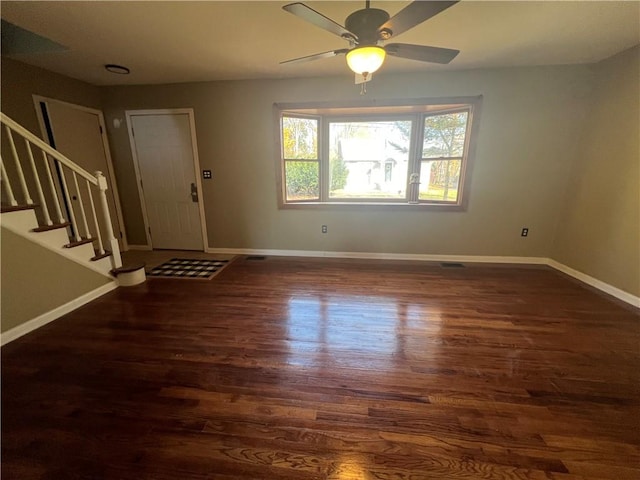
194,193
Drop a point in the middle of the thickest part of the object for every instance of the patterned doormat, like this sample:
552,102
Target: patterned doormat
188,268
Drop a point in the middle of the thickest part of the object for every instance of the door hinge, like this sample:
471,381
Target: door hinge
121,236
149,231
141,185
100,127
133,133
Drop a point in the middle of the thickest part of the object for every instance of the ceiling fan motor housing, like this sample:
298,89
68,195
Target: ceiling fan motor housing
364,23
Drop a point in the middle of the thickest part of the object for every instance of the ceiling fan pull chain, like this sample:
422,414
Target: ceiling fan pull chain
363,85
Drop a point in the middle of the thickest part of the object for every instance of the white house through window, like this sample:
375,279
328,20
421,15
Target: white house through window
407,154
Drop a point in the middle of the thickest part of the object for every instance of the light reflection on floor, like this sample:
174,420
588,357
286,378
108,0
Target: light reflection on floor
354,331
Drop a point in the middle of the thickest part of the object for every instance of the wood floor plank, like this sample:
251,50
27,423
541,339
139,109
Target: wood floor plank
327,369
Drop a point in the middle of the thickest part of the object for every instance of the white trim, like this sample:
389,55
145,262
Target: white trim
139,247
37,99
594,282
196,165
422,257
51,315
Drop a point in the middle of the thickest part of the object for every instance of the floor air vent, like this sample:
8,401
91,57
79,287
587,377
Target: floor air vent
452,265
256,257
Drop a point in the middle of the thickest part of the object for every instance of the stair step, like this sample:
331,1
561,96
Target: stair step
127,268
74,243
98,256
130,275
55,226
17,208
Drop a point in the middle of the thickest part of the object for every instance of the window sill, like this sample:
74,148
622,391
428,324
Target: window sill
435,207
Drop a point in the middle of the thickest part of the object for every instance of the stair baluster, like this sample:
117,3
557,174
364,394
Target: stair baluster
23,183
7,186
95,221
41,199
52,188
83,215
72,215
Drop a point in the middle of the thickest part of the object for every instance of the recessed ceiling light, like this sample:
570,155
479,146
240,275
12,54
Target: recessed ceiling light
119,69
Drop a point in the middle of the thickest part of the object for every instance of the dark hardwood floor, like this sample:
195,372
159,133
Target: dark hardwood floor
330,369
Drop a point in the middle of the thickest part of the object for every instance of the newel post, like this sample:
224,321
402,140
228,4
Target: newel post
111,240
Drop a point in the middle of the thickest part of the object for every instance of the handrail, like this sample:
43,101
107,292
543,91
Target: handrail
16,127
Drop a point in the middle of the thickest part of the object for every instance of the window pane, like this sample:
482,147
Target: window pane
444,135
369,159
299,138
439,180
302,180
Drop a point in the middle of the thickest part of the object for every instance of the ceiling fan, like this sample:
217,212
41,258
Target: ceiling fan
367,29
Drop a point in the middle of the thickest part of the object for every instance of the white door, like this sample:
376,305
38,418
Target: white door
166,160
77,134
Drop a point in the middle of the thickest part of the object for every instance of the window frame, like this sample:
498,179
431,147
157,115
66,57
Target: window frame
464,158
318,159
415,109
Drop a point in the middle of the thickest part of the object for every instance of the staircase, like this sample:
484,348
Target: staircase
64,216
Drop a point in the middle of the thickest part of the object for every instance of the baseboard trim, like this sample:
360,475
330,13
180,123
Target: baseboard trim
594,282
584,278
423,257
51,315
139,247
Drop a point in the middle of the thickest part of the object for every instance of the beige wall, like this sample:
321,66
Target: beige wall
599,228
36,280
20,81
529,129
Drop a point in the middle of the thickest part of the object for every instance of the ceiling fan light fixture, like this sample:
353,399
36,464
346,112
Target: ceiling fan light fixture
366,59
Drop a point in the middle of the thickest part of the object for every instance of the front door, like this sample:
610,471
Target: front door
166,160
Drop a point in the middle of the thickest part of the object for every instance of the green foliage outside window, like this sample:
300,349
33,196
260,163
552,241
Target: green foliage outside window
302,180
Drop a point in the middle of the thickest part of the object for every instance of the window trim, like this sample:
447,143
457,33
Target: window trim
418,108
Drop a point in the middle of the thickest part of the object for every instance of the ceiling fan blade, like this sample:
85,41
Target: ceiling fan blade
319,20
421,52
316,56
413,14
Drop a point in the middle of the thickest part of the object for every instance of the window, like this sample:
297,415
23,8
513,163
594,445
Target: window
301,161
415,154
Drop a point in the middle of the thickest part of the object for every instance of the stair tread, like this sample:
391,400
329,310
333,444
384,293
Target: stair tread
128,268
17,208
99,256
46,228
74,243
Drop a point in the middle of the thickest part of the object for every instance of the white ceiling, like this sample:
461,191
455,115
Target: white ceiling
168,42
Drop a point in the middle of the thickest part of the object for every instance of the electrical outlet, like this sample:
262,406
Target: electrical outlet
525,232
324,229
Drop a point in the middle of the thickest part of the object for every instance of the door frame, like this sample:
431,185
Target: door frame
37,99
196,166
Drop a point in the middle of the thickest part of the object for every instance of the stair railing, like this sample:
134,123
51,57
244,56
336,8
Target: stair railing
78,222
